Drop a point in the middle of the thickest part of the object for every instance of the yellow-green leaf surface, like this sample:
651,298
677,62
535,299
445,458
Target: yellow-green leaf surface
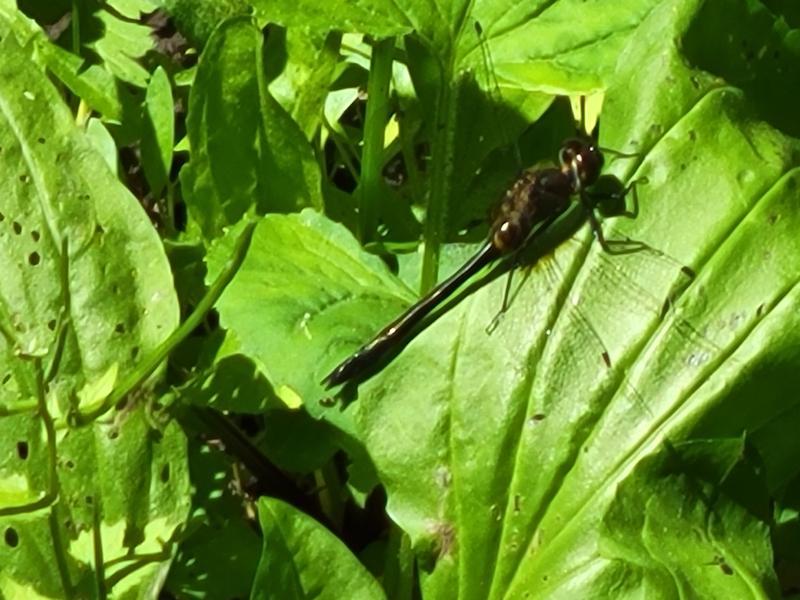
85,295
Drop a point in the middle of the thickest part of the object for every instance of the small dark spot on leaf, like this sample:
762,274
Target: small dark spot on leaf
538,417
2,217
606,359
68,464
683,166
41,140
24,178
34,258
17,227
22,449
772,219
7,378
11,537
89,500
35,235
113,434
726,568
164,475
119,328
692,135
134,352
760,309
51,324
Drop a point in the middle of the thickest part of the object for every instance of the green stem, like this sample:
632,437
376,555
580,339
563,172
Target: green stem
148,367
380,73
75,21
442,148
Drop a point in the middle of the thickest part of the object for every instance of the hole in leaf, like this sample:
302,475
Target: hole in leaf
22,449
17,227
34,258
11,537
35,235
164,473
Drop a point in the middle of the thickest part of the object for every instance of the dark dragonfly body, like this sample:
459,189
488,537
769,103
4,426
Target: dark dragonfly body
536,199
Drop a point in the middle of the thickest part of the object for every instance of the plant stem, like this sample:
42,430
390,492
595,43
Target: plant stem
380,73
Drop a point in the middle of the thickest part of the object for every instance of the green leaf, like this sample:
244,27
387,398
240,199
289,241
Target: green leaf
327,265
219,555
301,85
86,294
103,142
197,19
133,9
642,536
499,452
158,135
247,153
121,44
301,558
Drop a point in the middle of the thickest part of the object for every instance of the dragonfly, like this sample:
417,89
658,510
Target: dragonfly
537,198
527,209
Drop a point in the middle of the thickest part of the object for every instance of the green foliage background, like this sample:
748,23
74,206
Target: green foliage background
202,212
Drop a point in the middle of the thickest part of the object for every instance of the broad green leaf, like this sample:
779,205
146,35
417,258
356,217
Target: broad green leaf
158,135
301,558
86,295
642,534
247,153
500,452
288,295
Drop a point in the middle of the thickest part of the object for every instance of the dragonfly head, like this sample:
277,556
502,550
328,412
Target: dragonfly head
582,160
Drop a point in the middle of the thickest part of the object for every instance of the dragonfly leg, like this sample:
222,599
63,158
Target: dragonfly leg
504,306
626,246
